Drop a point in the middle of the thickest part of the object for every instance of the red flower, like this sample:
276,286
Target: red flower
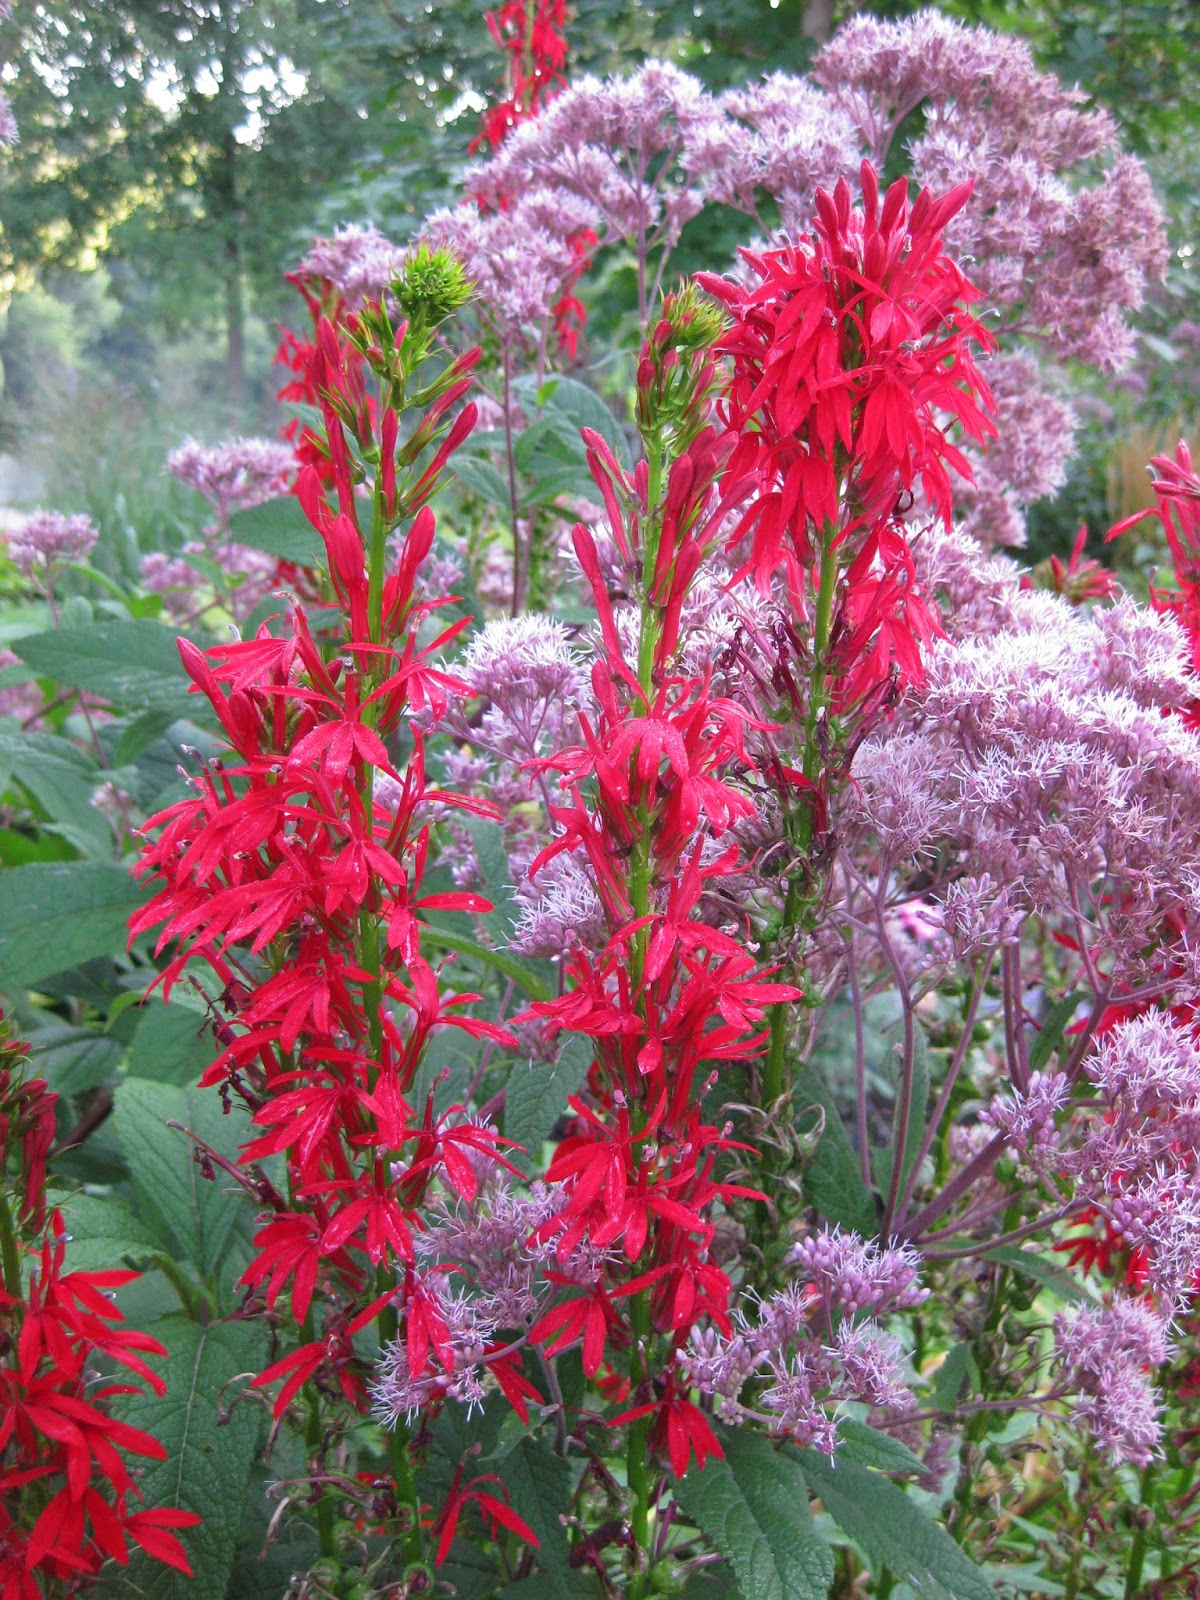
497,1513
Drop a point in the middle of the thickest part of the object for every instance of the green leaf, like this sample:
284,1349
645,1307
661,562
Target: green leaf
211,1443
892,1530
511,966
918,1109
833,1178
867,1447
75,1059
104,1233
957,1377
1039,1270
134,664
138,733
539,1487
753,1505
581,407
60,781
55,915
482,478
1050,1035
196,1215
171,1044
281,529
536,1096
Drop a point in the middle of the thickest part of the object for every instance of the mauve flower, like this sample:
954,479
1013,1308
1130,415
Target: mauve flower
46,539
9,134
359,262
521,257
1107,1357
236,474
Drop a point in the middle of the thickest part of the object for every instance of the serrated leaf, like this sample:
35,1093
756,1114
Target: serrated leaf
868,1447
55,915
753,1506
211,1444
539,1487
171,1044
470,1574
581,407
197,1215
60,781
536,1096
73,1060
482,478
104,1233
281,529
892,1530
134,664
1050,1035
833,1178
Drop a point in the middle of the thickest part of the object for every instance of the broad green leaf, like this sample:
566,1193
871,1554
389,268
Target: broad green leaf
511,966
21,850
833,1178
171,1044
195,1214
482,478
539,1487
1050,1035
536,1096
211,1441
55,915
892,1530
134,664
281,529
753,1505
1039,1270
582,407
867,1447
104,1233
75,1059
138,733
60,780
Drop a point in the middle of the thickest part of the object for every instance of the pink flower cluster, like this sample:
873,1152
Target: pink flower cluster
45,540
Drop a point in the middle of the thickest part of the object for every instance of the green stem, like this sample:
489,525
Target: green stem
375,573
811,764
781,1014
9,1258
1137,1547
637,1472
314,1437
401,1461
818,694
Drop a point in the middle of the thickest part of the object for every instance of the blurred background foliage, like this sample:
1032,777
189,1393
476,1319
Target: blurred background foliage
176,156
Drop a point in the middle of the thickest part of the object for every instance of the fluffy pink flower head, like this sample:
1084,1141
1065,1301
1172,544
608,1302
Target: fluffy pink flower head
236,473
47,538
360,263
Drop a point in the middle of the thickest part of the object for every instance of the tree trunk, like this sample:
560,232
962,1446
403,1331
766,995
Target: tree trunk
235,306
229,212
